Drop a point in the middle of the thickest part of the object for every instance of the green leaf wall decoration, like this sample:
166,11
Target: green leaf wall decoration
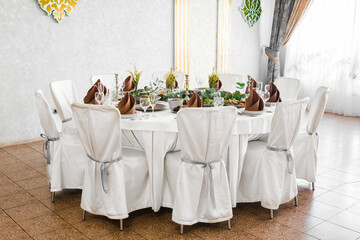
251,11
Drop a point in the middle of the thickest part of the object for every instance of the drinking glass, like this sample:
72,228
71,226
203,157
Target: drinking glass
267,87
258,88
218,101
153,99
144,103
99,97
107,97
200,82
265,96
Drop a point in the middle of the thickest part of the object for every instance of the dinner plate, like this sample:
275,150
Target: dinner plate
253,113
128,116
208,105
158,107
270,104
237,106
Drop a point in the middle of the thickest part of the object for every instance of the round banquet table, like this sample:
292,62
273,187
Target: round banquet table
158,136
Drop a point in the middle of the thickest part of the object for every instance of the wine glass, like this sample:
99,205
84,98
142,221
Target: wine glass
218,101
267,87
265,96
107,96
99,97
258,88
144,103
153,99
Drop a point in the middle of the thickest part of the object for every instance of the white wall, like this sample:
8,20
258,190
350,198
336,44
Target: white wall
98,37
105,37
247,53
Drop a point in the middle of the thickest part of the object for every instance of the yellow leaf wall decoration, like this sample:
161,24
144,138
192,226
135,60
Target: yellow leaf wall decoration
58,8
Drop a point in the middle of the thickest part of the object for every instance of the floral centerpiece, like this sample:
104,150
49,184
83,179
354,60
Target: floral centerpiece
213,79
135,76
170,79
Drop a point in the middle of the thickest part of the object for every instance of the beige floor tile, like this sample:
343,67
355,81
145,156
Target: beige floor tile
43,224
31,210
34,183
14,200
273,230
329,231
68,233
23,175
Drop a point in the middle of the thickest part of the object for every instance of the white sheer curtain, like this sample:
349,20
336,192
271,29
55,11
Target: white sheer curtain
325,50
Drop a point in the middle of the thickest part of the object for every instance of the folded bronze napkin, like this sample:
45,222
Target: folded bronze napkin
194,101
274,94
253,84
175,85
218,84
127,104
129,84
254,102
90,98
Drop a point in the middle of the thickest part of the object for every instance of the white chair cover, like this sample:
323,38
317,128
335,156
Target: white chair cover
270,176
64,94
180,77
288,87
108,79
202,190
126,187
66,155
229,81
306,144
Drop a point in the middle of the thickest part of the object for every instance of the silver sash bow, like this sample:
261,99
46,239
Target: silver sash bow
316,137
289,157
46,146
209,184
104,171
67,120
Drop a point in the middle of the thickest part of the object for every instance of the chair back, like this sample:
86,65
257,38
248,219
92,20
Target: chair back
288,87
285,124
45,115
99,130
317,108
64,94
108,79
205,133
229,81
180,77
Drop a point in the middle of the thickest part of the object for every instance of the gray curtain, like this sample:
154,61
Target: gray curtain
282,12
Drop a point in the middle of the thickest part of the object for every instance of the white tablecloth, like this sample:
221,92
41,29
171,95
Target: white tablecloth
157,136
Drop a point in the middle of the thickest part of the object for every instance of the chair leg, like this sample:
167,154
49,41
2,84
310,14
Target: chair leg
296,201
313,185
52,197
229,224
121,225
84,214
181,229
271,214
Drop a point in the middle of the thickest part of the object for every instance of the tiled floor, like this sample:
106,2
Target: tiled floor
332,211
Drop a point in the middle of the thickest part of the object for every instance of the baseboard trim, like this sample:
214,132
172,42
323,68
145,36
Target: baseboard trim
7,144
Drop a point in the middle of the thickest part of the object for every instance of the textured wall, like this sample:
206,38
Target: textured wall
98,37
202,34
247,55
104,37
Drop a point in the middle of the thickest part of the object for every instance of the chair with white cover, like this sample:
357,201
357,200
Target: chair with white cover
229,81
180,77
65,154
288,88
64,94
116,179
108,79
269,174
196,177
306,144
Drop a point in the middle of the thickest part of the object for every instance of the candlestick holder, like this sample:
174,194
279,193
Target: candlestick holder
117,86
187,98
